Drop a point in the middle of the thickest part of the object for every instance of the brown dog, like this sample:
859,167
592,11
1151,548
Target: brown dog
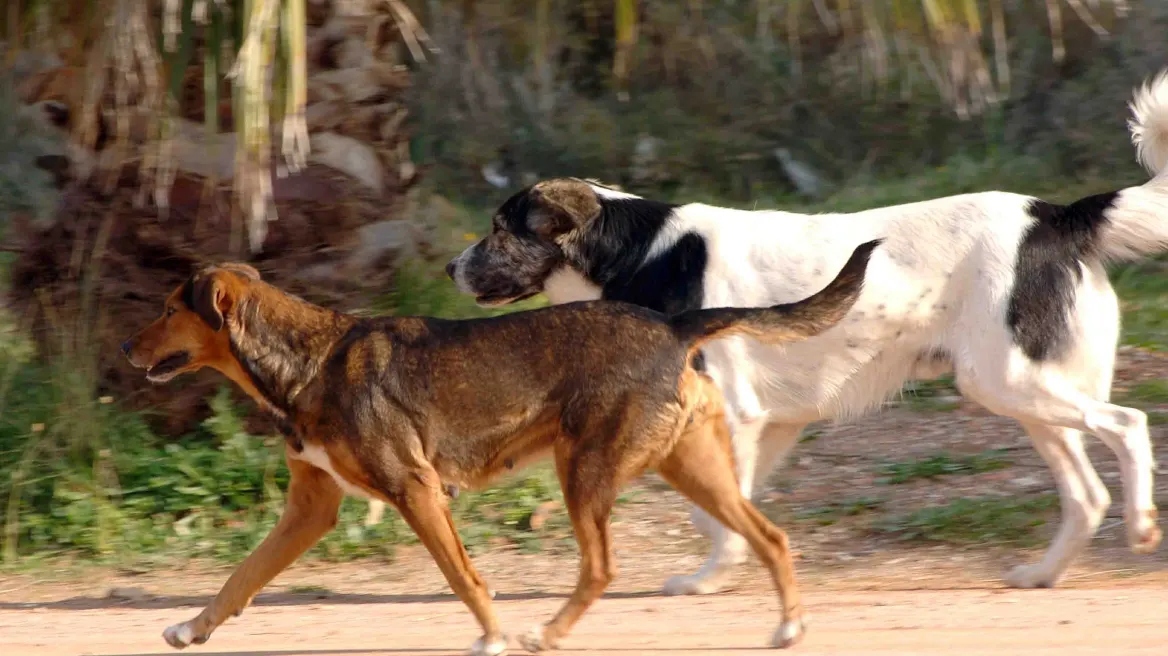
397,408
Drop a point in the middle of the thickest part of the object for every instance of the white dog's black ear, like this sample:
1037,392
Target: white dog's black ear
560,206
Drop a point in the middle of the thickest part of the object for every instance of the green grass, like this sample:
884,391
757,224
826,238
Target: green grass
1143,294
422,289
930,395
834,511
810,435
942,464
216,495
974,521
318,591
1148,392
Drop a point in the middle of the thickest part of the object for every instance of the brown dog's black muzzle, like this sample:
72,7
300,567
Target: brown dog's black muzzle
170,364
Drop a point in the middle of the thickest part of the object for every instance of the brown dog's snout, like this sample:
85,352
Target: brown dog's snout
127,346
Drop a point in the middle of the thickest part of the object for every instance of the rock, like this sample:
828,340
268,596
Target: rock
645,157
357,85
353,53
133,595
208,156
324,116
30,62
349,156
392,126
380,243
1028,482
806,180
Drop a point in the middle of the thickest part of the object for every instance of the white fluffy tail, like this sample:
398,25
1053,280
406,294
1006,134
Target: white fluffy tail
1149,124
1137,221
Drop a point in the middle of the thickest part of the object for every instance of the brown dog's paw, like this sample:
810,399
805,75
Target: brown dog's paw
789,633
489,647
536,640
182,635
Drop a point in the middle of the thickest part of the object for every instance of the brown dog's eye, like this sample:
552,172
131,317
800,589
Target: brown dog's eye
170,311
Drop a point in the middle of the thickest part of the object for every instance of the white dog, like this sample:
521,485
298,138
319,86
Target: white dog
1008,292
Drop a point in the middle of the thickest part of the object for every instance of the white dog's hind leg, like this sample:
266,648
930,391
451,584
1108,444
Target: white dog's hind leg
1084,501
1125,432
1044,398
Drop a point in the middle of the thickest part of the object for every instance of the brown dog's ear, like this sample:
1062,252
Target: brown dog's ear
206,295
245,270
560,206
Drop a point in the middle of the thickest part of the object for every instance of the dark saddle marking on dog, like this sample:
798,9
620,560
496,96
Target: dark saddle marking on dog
1047,271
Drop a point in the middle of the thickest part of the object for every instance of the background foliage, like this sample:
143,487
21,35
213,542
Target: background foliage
877,101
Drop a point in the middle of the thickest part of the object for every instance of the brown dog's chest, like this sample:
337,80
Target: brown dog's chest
318,456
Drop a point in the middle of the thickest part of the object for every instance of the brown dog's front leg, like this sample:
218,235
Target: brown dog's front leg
589,494
424,506
311,511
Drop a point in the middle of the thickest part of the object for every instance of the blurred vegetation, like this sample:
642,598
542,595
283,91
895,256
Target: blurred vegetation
690,100
857,90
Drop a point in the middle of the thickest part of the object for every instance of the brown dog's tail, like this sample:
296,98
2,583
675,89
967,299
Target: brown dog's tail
779,324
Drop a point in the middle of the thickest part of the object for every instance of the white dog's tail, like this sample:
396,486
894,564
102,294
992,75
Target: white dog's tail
1135,222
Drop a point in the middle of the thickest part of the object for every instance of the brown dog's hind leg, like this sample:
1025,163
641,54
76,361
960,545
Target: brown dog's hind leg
701,468
425,507
589,503
313,499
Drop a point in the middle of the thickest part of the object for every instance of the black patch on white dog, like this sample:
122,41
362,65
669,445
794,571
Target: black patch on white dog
670,283
1047,272
614,246
612,254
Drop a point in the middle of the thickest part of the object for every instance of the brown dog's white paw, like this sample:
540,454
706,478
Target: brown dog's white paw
536,640
182,635
789,633
489,647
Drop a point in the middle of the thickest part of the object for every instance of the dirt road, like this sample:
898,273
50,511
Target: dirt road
1120,620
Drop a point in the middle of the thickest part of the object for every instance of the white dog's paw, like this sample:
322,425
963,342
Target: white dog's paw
181,636
695,584
1144,537
535,640
376,511
484,647
789,633
702,522
1031,576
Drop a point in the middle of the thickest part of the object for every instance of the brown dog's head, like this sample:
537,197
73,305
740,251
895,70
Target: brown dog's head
190,333
526,243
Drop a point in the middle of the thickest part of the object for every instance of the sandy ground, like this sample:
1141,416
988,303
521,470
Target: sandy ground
1111,620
